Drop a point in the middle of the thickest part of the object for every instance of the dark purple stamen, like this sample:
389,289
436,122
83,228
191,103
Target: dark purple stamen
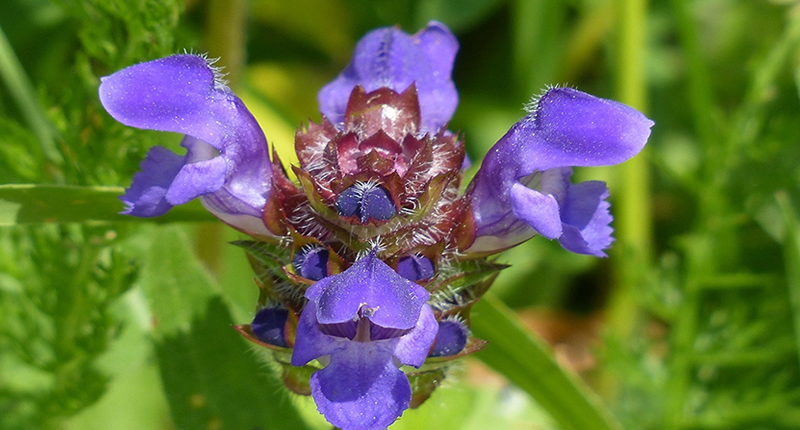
366,201
311,263
451,339
416,267
268,326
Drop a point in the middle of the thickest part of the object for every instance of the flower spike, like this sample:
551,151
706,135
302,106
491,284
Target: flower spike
370,258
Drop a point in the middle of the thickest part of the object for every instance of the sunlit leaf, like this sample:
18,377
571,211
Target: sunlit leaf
207,369
525,361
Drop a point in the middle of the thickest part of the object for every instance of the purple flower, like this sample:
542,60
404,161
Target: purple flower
360,324
226,162
388,57
523,187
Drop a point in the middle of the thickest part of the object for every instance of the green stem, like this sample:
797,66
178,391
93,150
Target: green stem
699,84
527,363
632,211
537,27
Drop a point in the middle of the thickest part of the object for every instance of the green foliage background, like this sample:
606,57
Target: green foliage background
118,323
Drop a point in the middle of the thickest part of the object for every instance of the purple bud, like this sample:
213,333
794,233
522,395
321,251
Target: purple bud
416,267
268,326
452,338
311,263
366,200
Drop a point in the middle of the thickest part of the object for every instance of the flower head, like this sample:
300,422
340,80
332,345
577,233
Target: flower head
372,258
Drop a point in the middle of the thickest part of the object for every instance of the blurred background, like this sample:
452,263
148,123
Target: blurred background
108,322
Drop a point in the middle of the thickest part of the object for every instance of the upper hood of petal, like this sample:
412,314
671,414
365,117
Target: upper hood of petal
389,57
390,300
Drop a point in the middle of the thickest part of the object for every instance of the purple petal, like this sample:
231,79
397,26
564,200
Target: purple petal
146,195
390,300
573,128
586,219
366,200
349,202
451,339
310,342
540,211
177,93
269,325
197,179
361,388
311,263
227,160
412,348
416,267
376,203
567,128
388,57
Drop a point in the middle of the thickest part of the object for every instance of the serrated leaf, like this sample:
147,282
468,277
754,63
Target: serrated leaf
174,280
212,379
32,203
468,272
267,261
270,256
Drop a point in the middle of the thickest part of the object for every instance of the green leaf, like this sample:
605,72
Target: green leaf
213,381
526,362
210,376
30,203
791,255
175,282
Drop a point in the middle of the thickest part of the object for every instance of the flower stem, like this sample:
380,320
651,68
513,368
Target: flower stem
633,212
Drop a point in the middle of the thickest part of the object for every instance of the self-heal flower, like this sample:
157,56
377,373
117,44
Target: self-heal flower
379,175
362,323
226,162
523,187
